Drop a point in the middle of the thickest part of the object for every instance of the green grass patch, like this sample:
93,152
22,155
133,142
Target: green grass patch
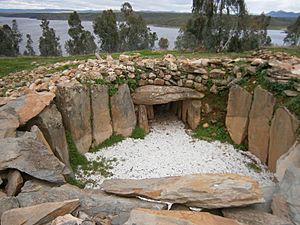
79,163
114,139
215,132
253,166
293,104
138,133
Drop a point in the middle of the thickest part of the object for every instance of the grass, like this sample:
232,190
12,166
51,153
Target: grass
216,132
62,68
114,139
79,163
138,133
253,166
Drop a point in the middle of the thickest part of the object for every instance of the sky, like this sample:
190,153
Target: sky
254,6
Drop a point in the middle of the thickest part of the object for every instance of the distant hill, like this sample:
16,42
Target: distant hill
283,14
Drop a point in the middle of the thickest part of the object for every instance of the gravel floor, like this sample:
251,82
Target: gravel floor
169,150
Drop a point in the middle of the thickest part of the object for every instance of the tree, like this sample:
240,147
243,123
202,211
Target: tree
163,43
220,25
293,34
29,49
134,33
105,27
81,42
7,44
17,37
49,43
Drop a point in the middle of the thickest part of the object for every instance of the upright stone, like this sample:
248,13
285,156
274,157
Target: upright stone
51,124
237,118
122,110
194,114
73,102
150,112
14,184
291,158
142,117
282,135
184,111
259,123
101,123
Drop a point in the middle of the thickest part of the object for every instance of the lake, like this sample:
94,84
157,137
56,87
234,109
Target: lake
32,27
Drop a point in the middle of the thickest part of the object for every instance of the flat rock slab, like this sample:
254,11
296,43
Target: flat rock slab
254,217
38,214
31,157
92,202
199,190
152,217
154,95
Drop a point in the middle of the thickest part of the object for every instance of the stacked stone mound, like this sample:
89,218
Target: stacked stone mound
97,99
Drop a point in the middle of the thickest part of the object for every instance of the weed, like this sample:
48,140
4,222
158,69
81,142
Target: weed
253,166
138,133
114,139
293,104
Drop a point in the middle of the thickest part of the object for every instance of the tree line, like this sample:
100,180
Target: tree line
130,34
216,25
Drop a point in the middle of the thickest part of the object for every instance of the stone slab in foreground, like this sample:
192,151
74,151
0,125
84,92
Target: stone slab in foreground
154,217
31,157
38,214
199,190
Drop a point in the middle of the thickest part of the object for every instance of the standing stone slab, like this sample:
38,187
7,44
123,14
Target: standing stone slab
50,123
142,117
282,135
184,111
259,123
14,184
123,113
73,101
237,118
291,158
38,214
194,114
150,112
198,190
31,157
101,123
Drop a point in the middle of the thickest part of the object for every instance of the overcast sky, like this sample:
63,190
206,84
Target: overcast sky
254,6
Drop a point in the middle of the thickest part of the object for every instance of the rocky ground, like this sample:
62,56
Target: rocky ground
168,150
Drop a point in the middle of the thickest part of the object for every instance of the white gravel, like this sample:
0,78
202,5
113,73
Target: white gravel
169,151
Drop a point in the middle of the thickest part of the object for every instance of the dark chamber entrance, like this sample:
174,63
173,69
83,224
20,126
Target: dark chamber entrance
168,111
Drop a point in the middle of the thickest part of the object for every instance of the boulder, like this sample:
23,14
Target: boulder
237,118
73,101
14,183
50,123
67,220
259,123
194,114
8,203
101,120
38,214
37,134
142,118
286,202
92,202
254,217
122,110
154,217
9,122
199,190
30,105
282,135
289,159
31,157
154,95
